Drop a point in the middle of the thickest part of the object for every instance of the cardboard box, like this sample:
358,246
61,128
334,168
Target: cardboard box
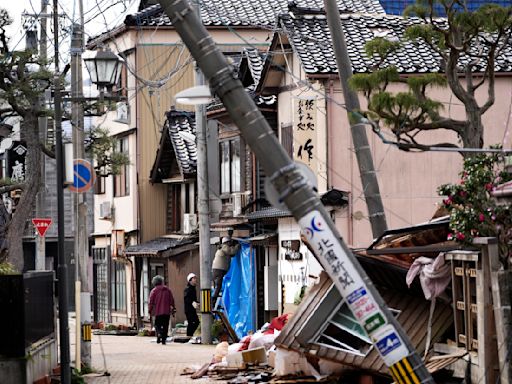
255,356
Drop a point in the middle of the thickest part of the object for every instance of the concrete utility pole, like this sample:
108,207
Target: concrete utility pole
43,123
81,249
203,209
357,127
346,273
62,272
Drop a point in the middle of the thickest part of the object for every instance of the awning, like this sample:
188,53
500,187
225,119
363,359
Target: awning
224,225
267,213
163,247
264,239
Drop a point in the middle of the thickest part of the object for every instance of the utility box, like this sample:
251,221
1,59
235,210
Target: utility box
28,321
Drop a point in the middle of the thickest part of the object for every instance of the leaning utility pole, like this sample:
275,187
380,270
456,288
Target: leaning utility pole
62,271
293,188
357,127
81,249
203,209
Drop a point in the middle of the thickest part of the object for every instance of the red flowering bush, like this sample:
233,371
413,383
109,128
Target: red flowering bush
473,211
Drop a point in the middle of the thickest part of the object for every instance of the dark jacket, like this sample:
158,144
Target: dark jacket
190,297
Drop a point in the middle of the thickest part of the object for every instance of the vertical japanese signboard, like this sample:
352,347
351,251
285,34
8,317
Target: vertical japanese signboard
305,131
16,162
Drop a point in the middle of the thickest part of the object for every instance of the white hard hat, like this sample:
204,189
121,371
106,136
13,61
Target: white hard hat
225,240
190,276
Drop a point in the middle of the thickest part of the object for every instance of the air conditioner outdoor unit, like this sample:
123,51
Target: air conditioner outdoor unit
239,202
189,223
105,210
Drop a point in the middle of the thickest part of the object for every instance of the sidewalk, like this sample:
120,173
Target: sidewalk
140,360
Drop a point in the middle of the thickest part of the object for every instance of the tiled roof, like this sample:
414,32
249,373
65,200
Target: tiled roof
157,246
309,35
267,213
251,60
218,12
345,6
246,12
185,151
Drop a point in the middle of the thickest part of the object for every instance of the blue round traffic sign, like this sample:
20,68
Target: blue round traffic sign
84,176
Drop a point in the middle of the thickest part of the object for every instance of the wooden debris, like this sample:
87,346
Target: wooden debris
201,371
188,371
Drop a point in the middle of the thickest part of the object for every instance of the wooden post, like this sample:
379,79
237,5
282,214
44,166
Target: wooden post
502,315
486,344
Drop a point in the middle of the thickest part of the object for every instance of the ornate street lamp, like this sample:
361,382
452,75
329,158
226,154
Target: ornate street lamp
104,68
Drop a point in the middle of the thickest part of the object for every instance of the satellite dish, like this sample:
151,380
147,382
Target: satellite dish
271,192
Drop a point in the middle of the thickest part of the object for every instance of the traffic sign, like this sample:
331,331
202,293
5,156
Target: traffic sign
84,176
42,225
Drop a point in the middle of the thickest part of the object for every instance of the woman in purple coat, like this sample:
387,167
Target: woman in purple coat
161,306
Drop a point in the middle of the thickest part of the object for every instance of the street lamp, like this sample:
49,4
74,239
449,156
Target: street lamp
198,96
104,68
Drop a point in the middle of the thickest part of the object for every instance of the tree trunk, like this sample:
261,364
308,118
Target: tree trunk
25,206
474,134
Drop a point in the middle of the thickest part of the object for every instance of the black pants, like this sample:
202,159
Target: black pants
162,327
217,276
193,322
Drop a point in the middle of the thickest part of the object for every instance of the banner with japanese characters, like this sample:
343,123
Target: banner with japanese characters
305,131
16,162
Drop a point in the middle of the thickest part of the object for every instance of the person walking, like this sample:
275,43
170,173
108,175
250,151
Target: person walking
191,304
222,262
161,306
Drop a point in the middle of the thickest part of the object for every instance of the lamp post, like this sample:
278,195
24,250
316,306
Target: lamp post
104,68
199,96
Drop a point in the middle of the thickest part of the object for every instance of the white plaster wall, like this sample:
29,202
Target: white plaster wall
408,181
290,271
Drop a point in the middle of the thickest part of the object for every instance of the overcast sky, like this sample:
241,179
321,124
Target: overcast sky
99,15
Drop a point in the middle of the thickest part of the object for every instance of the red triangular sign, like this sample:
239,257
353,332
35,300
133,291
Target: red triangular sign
42,225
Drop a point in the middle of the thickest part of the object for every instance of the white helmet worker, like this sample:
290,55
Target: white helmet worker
190,276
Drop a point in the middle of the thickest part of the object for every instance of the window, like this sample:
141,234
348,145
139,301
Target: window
181,199
99,186
287,138
230,174
118,284
122,180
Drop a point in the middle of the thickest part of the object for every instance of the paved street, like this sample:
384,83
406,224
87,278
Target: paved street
140,360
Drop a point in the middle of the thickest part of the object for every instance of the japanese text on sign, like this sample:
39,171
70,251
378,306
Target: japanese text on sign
304,124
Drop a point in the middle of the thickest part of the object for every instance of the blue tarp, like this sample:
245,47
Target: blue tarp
239,291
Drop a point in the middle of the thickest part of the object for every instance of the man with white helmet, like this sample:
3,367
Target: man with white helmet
191,304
